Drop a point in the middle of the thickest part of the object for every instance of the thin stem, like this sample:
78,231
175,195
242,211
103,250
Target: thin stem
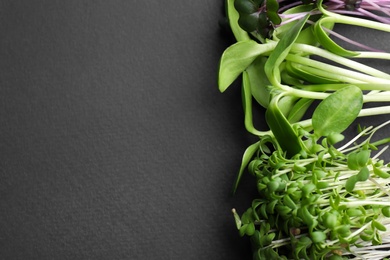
305,48
334,70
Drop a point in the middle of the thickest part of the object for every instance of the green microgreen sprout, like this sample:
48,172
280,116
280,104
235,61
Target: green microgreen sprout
317,198
333,202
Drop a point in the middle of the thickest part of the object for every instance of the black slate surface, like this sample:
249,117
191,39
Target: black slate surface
115,142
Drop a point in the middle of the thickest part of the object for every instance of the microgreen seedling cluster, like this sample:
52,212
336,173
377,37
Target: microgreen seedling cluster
318,199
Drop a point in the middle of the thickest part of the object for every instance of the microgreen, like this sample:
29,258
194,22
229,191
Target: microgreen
317,199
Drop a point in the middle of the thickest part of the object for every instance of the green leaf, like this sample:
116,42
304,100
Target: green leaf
357,160
344,230
286,103
289,202
350,184
336,112
247,101
334,138
274,17
246,158
248,22
330,220
281,50
386,211
307,218
323,37
381,173
233,16
307,189
299,109
272,6
377,225
363,174
250,229
258,82
237,219
245,6
284,133
301,247
298,70
236,58
318,236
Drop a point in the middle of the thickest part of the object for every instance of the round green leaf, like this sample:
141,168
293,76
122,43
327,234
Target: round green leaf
386,211
248,22
245,6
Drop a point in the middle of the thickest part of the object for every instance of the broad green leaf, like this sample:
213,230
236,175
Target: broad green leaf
281,50
237,58
259,84
336,112
233,16
246,158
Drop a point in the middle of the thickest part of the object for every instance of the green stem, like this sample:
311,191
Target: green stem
333,87
309,49
373,55
331,71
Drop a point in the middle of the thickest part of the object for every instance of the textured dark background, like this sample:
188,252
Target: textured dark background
115,142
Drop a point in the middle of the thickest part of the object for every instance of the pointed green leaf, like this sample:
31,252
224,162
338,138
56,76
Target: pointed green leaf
299,110
233,16
281,50
246,158
284,133
237,58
